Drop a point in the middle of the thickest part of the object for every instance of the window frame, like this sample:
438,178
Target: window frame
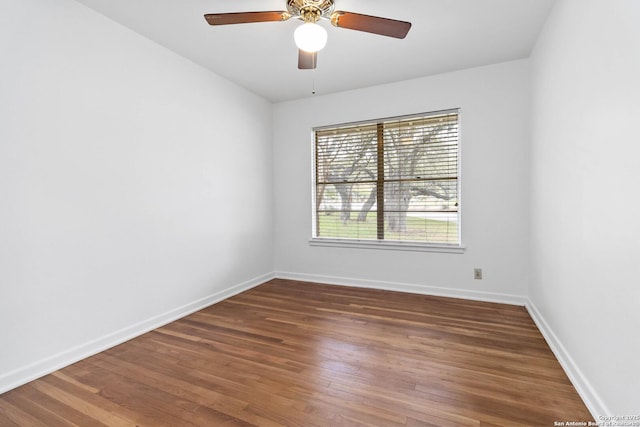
388,244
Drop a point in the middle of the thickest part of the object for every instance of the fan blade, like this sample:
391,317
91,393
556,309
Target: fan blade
245,17
307,60
370,24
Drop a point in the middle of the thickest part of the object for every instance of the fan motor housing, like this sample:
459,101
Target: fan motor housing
320,7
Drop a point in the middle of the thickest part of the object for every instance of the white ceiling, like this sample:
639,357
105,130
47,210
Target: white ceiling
446,35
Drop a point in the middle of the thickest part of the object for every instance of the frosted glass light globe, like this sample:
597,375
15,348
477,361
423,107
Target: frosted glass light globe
310,37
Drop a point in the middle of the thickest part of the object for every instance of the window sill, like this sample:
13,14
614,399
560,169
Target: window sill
396,246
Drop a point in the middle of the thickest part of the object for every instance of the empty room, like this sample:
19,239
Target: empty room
319,213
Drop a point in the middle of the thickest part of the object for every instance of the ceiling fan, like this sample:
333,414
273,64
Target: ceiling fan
311,37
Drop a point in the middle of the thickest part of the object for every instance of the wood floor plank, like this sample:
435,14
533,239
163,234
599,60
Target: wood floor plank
291,353
34,408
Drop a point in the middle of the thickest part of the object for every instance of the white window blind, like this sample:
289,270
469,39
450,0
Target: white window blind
390,180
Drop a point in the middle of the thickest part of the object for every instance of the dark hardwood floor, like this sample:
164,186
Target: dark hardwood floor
302,354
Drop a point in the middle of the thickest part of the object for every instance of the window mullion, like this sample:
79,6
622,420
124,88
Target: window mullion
380,182
318,180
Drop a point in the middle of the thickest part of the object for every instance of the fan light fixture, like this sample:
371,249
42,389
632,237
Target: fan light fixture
310,37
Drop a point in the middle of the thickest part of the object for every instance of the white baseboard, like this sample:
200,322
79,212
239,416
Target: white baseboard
589,396
406,287
43,367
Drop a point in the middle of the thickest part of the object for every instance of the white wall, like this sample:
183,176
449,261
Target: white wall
585,208
494,104
125,173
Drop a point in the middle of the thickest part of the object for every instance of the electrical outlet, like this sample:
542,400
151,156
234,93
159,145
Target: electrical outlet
477,273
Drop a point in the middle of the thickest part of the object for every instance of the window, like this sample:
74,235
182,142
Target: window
389,181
